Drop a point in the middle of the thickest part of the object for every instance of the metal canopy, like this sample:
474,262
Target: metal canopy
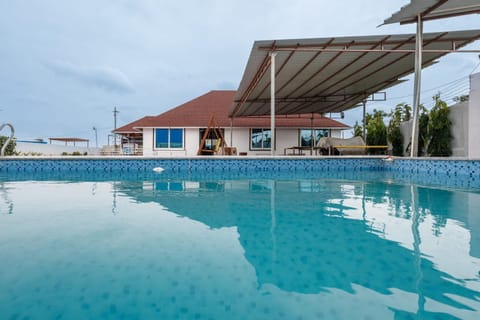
433,9
334,74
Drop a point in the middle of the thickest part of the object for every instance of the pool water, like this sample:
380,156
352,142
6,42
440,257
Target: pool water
243,248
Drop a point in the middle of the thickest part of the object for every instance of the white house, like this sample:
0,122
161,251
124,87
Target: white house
180,131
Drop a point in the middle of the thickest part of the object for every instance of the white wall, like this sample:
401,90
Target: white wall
52,149
406,129
465,118
286,137
148,142
148,145
459,118
241,139
474,117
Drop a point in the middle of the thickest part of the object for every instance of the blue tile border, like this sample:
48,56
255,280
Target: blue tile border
191,165
439,171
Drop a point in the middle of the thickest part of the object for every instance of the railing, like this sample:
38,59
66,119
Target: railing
12,132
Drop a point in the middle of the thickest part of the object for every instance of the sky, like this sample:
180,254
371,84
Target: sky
65,65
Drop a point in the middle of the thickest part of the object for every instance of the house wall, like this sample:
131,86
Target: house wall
148,142
286,137
474,117
459,118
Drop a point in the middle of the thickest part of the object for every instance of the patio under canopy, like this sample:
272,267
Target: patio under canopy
333,74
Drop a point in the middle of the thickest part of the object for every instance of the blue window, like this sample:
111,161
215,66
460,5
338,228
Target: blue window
168,138
176,138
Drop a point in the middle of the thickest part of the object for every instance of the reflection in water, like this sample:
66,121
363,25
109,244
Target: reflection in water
416,249
241,248
7,205
308,236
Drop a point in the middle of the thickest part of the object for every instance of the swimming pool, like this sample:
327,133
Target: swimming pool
345,244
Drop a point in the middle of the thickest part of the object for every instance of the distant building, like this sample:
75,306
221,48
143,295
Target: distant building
180,131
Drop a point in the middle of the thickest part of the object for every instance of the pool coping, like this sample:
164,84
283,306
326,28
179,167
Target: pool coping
225,157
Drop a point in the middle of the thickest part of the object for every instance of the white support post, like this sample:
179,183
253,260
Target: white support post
231,132
272,102
364,120
417,85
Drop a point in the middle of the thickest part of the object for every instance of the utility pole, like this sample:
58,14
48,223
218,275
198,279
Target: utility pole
115,125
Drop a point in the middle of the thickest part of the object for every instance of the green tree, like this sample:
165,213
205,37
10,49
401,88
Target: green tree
10,150
439,129
376,130
401,113
423,133
357,130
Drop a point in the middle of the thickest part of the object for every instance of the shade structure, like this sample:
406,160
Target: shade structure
433,9
334,74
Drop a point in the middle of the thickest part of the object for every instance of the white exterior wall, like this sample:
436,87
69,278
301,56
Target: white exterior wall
336,133
148,142
459,118
26,148
474,117
192,141
465,118
286,137
241,139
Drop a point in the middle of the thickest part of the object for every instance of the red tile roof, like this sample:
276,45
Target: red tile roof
130,127
197,112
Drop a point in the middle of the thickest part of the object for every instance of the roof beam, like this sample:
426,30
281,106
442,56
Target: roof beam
305,66
327,64
379,69
382,50
276,75
258,76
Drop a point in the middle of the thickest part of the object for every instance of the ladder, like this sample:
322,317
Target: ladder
212,126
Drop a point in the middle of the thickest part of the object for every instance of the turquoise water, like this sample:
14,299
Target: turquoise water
242,248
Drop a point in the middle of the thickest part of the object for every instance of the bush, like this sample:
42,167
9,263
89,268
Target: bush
396,139
439,129
10,150
401,113
376,131
423,134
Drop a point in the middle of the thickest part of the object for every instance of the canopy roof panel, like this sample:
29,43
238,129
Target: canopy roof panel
334,74
433,9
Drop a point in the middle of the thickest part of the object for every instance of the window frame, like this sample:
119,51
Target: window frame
263,148
169,139
315,141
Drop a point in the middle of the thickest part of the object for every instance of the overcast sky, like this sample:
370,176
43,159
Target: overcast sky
64,65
